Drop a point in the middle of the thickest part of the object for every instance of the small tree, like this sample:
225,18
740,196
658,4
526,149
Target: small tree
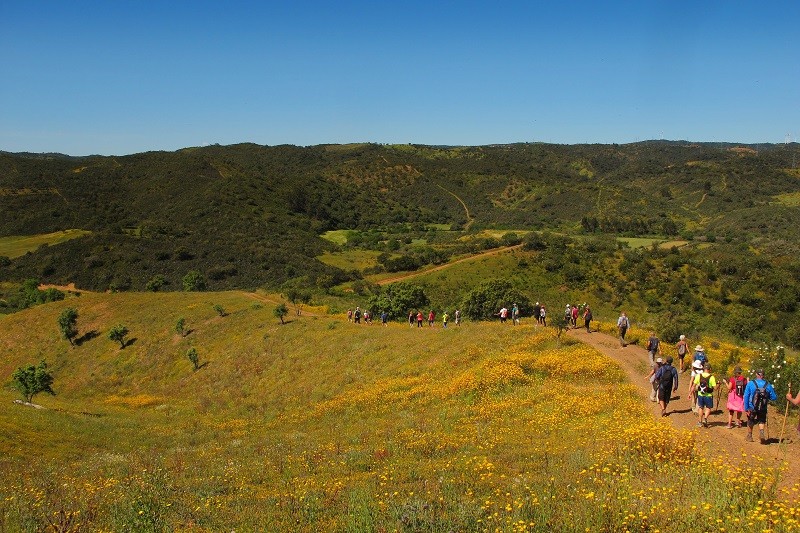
118,333
32,380
68,324
155,283
194,281
280,312
220,310
191,353
180,327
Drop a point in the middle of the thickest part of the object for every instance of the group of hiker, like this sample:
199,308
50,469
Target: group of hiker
748,397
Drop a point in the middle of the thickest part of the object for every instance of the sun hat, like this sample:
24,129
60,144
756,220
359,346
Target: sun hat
659,360
698,348
697,365
683,337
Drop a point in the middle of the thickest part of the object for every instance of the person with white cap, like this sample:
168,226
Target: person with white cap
697,368
651,377
683,348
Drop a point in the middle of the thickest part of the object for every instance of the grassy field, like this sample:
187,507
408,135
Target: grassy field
16,246
351,259
322,425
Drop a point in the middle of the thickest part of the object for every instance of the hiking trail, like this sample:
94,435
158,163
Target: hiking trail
730,443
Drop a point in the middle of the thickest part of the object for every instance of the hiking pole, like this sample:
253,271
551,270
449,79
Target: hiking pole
785,415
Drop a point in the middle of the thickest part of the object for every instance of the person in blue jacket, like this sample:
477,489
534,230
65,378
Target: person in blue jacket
757,395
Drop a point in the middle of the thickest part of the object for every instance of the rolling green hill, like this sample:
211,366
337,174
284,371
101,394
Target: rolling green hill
249,216
322,425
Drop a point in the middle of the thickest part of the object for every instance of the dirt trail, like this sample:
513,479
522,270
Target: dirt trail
448,265
635,361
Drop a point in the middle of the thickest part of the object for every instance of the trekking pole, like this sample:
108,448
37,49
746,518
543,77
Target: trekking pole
786,414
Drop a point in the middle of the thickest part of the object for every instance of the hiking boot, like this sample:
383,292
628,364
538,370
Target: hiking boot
749,437
729,426
761,437
699,424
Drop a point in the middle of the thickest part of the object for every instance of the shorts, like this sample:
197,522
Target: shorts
664,395
756,418
705,402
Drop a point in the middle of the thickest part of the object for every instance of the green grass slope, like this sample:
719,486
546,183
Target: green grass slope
323,425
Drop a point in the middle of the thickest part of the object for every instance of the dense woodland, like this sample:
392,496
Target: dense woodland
249,216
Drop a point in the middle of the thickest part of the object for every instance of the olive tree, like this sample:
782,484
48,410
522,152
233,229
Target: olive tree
32,380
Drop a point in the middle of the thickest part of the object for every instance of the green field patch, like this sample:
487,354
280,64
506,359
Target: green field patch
789,199
18,245
646,242
337,236
350,259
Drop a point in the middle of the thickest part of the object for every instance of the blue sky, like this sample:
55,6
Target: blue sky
120,77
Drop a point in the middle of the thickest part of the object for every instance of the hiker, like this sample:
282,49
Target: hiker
568,315
795,400
457,316
431,318
445,317
683,348
651,377
385,318
697,369
622,325
515,315
736,385
536,312
503,315
349,315
411,319
653,347
587,318
574,316
699,354
757,394
704,384
420,318
357,316
543,316
667,379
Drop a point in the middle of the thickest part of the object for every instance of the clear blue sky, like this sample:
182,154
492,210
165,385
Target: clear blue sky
119,77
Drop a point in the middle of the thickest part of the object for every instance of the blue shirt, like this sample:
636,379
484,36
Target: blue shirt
750,392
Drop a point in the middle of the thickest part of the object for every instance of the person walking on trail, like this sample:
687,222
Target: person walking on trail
357,315
757,394
536,313
503,315
653,347
457,315
704,384
543,316
622,326
682,348
587,318
667,379
697,369
445,318
651,377
431,318
568,315
411,319
385,319
575,316
699,354
420,318
515,315
736,386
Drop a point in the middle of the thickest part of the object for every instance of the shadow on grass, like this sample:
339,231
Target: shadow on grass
86,337
129,342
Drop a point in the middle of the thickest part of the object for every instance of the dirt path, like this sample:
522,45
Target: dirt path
728,442
470,220
448,265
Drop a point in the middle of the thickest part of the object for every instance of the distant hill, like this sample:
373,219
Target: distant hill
248,215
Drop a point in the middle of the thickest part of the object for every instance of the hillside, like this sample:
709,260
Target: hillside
322,425
248,216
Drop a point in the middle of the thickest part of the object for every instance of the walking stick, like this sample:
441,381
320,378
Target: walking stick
786,414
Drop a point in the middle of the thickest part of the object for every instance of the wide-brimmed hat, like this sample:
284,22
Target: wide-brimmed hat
698,348
697,365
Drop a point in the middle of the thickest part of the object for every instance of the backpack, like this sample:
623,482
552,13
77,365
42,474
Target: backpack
682,349
739,384
705,385
760,398
667,378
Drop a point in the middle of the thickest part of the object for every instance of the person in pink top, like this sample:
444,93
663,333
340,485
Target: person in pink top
736,385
